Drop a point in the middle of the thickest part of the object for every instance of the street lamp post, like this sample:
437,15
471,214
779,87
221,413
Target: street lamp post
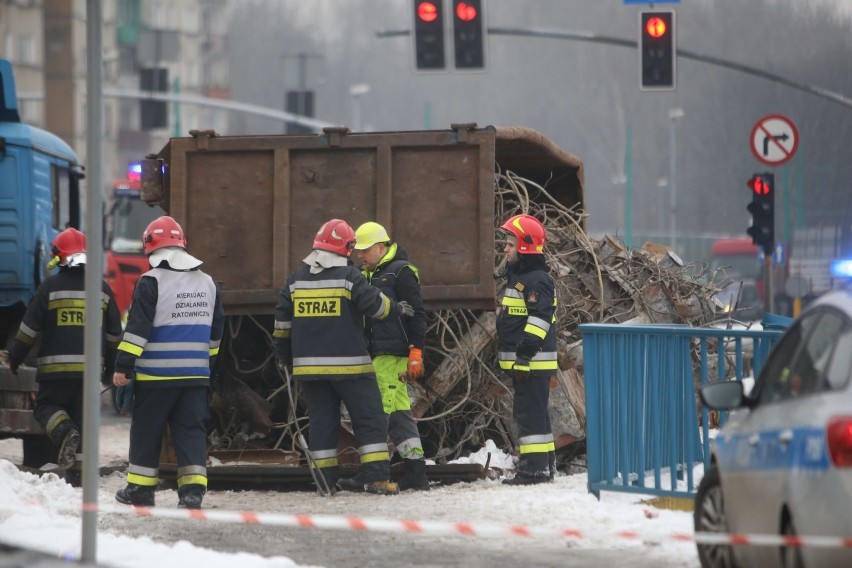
357,91
674,115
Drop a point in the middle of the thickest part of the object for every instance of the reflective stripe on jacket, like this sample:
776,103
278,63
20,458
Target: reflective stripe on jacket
56,316
319,319
175,326
526,321
399,280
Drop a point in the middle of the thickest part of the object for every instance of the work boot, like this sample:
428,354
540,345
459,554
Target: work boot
68,449
190,496
551,457
357,485
527,479
382,488
134,494
414,476
354,484
73,477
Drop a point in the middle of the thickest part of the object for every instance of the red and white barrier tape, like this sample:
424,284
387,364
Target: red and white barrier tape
368,524
444,528
773,540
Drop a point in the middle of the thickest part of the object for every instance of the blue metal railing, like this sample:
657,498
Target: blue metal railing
643,433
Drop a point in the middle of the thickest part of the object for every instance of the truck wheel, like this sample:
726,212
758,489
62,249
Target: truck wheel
710,516
38,450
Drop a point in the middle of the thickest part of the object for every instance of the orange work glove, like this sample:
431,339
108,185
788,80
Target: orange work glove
415,363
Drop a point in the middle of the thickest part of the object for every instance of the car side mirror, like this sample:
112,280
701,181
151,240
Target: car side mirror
723,396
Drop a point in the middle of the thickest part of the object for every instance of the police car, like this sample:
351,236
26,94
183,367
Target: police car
782,464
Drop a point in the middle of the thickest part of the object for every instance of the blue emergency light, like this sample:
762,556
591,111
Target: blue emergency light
134,171
842,268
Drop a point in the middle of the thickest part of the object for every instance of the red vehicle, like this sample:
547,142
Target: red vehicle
738,257
127,218
743,282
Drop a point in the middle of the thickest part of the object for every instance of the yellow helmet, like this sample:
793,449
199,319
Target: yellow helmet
369,234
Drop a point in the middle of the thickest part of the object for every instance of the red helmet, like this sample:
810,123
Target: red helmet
335,236
68,242
163,232
529,231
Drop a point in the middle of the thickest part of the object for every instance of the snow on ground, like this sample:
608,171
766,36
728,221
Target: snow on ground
42,513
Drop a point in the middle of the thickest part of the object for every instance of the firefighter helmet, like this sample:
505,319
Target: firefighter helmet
369,234
529,231
335,236
67,244
163,232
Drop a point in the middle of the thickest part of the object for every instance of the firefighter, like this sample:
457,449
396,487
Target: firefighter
172,337
396,344
319,333
526,329
56,316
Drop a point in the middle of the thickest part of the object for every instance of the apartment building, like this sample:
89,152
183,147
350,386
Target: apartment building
162,45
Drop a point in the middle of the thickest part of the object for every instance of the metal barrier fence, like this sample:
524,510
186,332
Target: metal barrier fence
643,432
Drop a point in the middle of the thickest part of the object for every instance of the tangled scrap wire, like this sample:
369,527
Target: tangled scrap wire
596,282
593,285
476,409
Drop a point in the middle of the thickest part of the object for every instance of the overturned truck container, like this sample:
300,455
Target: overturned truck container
250,206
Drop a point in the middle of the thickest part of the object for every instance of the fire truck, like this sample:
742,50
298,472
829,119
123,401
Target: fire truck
126,219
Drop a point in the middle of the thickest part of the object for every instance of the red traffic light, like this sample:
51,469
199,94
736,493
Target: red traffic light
759,185
427,11
465,12
656,27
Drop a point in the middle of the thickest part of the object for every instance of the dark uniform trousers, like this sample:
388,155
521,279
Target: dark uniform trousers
59,408
531,415
183,409
369,422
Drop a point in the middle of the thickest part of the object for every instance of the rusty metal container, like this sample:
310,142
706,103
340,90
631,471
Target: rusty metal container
250,205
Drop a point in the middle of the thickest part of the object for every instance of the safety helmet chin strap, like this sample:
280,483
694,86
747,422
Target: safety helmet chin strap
76,259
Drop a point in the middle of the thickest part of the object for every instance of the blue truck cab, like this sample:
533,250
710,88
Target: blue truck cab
39,196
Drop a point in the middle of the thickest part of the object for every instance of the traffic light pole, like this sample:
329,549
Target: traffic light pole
633,44
768,303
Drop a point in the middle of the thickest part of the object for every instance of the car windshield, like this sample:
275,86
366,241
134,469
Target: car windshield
737,266
129,219
802,362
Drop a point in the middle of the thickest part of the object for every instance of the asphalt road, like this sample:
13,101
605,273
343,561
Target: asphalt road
346,549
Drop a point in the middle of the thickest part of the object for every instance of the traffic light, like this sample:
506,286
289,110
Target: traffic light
657,51
762,209
429,35
153,114
468,34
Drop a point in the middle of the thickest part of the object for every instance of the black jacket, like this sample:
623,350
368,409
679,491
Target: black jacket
526,321
399,280
319,322
56,316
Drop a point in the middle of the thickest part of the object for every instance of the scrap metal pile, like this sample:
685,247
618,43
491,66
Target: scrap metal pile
464,399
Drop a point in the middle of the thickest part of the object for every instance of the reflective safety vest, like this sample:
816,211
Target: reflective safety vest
178,343
322,316
526,321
